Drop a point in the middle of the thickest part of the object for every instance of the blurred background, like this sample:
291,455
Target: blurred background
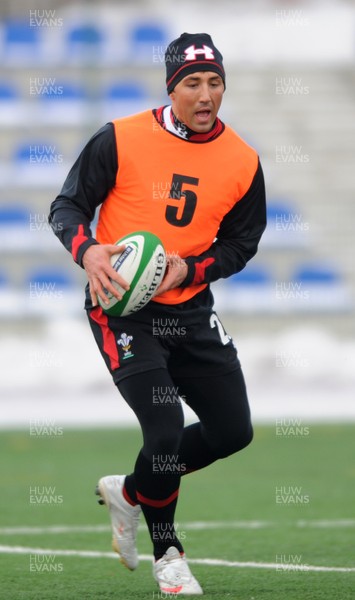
66,68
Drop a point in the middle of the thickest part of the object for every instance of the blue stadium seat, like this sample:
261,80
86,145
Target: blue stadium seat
37,153
319,286
148,33
4,291
250,291
126,90
317,273
84,43
124,98
19,32
146,40
10,299
24,229
13,109
22,153
38,163
50,290
287,227
63,103
8,92
279,208
251,275
14,215
22,43
50,278
87,35
14,228
4,279
63,90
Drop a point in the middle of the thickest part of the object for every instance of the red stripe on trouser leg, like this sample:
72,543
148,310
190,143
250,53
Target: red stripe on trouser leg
157,503
109,342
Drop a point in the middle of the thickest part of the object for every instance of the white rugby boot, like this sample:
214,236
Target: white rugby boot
124,518
173,575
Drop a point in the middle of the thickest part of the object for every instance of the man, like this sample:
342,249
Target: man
178,172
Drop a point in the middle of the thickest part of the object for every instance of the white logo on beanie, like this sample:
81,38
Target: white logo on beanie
192,52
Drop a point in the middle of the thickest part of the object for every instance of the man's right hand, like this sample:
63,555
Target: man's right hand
97,264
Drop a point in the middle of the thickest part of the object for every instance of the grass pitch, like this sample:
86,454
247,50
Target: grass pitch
271,515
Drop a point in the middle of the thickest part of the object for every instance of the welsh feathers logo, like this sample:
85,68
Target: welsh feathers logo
192,53
125,342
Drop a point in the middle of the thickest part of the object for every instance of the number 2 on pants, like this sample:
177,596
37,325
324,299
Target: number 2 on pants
215,322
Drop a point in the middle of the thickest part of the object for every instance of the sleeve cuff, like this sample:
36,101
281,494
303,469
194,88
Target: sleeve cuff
190,261
82,248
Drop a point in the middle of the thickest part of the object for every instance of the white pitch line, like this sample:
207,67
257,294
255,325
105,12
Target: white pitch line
327,523
54,529
193,525
213,562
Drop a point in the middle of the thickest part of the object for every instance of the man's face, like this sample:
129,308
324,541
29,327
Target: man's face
196,100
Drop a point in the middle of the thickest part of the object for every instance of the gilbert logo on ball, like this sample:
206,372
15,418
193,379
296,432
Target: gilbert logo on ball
142,264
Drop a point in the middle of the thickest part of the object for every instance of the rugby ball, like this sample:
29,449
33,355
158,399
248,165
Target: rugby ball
142,264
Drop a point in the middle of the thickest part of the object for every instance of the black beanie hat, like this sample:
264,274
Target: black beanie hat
189,53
